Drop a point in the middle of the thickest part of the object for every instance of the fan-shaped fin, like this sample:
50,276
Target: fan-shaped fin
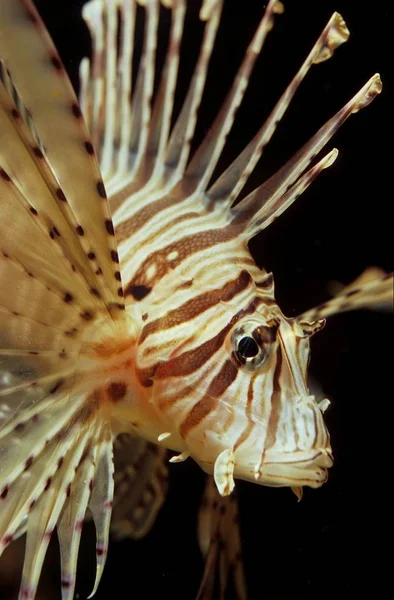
31,449
22,293
30,56
59,288
140,486
40,254
24,161
373,289
220,543
39,344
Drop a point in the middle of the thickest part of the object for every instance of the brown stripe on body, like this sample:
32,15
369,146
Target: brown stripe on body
192,360
276,403
162,230
196,306
211,399
222,263
145,376
136,222
184,248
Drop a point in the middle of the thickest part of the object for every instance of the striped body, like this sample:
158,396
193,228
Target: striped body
200,289
186,269
129,301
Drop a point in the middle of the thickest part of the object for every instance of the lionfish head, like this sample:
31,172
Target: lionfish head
234,390
267,428
285,441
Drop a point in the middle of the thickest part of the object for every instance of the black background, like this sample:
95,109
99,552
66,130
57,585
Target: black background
330,544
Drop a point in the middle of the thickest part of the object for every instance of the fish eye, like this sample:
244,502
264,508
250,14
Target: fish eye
247,347
248,350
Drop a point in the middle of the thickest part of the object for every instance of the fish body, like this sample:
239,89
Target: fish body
133,306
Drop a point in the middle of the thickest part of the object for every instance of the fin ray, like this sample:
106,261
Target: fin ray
69,527
270,191
102,499
30,56
207,155
229,185
373,289
45,514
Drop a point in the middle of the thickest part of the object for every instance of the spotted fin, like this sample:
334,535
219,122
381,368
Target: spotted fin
141,482
69,168
220,544
46,454
59,289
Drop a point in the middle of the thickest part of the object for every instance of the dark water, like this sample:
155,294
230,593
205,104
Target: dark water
330,544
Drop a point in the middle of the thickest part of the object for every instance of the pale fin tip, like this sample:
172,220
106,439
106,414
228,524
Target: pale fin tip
372,88
336,34
179,457
330,158
223,472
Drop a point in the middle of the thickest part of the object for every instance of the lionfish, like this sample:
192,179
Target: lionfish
133,317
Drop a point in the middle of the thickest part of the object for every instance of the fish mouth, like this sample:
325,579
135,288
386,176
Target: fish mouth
291,469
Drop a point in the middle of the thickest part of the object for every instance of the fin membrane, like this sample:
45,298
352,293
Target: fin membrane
60,287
